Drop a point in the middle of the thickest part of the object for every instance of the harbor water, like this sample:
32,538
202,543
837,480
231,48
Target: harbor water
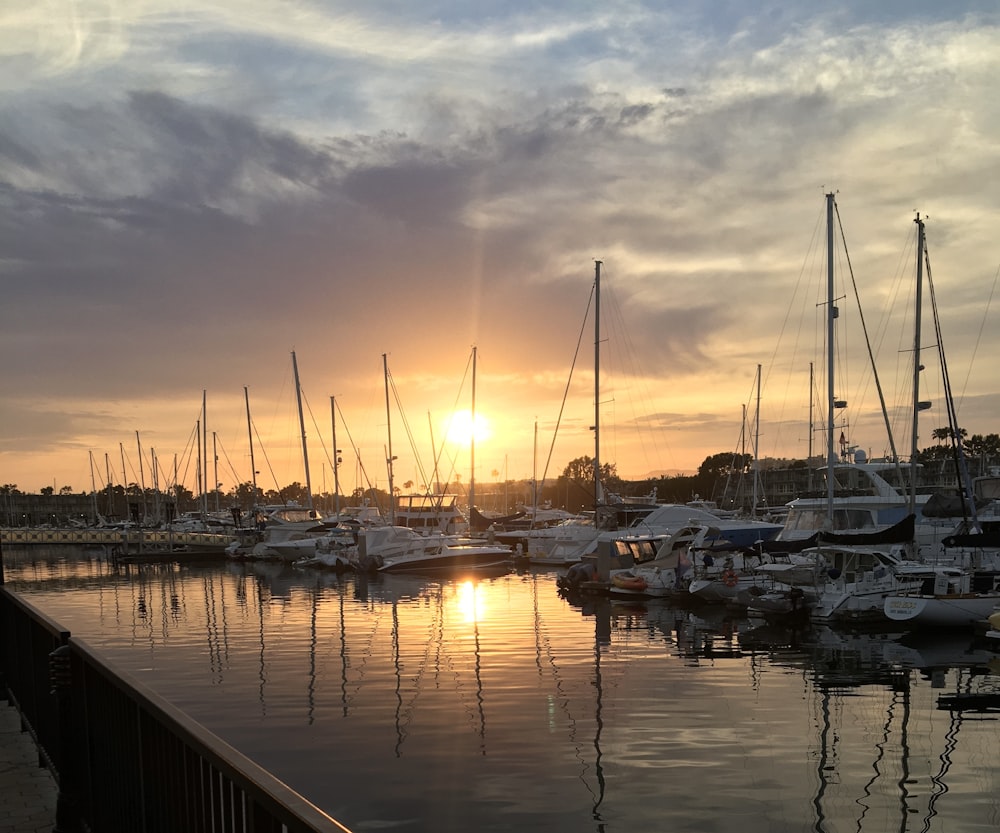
491,703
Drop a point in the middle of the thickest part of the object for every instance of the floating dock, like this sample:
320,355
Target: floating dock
128,540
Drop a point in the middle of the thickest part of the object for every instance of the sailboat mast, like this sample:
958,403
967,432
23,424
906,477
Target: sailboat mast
107,473
253,468
128,513
336,455
597,384
204,455
388,428
918,304
93,485
831,314
809,442
472,438
302,428
534,475
142,477
756,447
434,456
215,470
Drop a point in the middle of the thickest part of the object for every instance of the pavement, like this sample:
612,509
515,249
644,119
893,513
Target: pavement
27,790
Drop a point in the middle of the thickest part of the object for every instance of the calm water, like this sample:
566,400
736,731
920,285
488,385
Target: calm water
413,704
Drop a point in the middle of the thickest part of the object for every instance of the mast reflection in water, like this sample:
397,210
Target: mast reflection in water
491,703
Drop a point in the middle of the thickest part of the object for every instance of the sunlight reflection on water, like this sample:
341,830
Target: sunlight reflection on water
494,704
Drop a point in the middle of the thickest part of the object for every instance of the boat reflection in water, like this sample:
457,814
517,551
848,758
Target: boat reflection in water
490,703
912,759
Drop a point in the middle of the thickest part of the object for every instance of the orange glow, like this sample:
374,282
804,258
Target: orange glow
462,429
470,601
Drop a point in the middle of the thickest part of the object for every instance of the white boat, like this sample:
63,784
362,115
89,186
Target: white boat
952,602
558,545
400,548
993,621
437,513
571,541
274,526
849,586
334,548
471,555
654,567
730,579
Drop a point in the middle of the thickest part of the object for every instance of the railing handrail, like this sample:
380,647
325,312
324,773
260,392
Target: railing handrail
56,630
233,763
64,688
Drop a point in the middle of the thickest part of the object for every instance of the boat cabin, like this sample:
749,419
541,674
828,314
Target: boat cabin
431,513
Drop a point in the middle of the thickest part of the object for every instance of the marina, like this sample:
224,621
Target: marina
492,702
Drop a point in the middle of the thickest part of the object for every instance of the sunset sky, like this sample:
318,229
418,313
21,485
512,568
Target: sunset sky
191,192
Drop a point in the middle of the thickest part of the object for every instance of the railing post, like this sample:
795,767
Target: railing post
68,800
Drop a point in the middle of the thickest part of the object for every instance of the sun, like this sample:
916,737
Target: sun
461,429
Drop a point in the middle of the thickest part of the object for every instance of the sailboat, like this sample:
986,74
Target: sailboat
858,564
965,595
577,537
279,523
422,534
630,547
858,494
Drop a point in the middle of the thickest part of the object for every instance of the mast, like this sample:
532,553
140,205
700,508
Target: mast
809,452
154,471
302,427
142,477
215,471
472,438
93,485
107,474
253,468
388,428
128,508
204,455
918,302
756,446
534,475
831,314
597,385
336,455
434,456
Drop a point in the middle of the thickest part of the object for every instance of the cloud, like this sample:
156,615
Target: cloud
186,198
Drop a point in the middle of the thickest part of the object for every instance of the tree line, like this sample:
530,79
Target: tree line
572,490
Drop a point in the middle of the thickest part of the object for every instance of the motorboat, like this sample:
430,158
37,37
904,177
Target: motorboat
955,598
334,549
275,526
400,548
849,585
438,513
571,542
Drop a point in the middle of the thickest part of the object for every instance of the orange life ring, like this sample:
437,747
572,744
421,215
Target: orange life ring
629,582
730,579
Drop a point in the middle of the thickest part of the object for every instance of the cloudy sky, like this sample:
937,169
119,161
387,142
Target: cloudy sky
191,192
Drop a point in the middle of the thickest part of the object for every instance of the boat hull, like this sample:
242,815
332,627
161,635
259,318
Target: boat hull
941,611
452,559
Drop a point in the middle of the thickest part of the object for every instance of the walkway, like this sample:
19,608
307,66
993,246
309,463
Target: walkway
27,791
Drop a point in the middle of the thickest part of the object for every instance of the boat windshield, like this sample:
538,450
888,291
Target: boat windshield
812,519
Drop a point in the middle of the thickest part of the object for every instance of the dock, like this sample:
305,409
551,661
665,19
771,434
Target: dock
28,791
130,541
